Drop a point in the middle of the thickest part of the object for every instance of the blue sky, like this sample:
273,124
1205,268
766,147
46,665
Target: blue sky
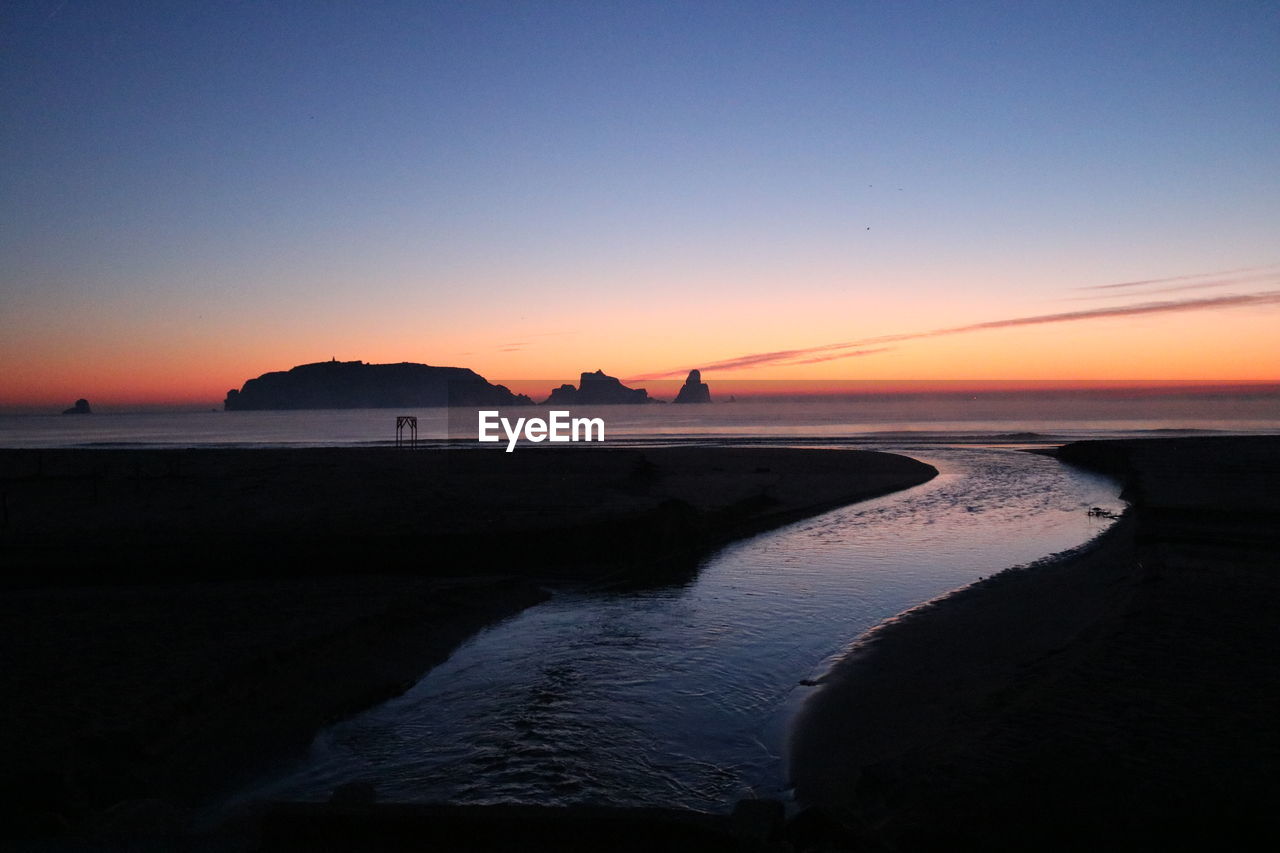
432,178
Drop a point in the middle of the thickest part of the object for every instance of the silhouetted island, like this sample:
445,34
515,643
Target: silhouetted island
597,389
694,389
80,408
357,385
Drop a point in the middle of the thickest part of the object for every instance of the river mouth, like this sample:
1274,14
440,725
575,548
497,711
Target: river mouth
680,696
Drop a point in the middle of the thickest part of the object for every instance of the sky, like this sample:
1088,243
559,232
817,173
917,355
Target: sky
192,194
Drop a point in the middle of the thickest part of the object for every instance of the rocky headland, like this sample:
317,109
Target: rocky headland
357,385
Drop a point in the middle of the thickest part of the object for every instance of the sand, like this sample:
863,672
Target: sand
179,691
1124,697
176,622
90,516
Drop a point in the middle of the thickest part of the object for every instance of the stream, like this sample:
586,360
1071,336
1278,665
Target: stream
681,696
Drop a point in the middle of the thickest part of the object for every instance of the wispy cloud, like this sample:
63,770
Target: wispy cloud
520,345
1202,275
1266,297
787,357
851,349
1178,288
840,355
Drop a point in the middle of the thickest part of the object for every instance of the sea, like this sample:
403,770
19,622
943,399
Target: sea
984,418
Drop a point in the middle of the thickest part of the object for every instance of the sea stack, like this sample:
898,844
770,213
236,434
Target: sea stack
694,390
80,408
597,389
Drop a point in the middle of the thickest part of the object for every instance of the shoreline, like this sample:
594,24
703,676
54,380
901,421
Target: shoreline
127,516
202,654
1118,696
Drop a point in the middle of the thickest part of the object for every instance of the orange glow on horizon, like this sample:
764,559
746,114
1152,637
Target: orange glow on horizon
174,396
131,365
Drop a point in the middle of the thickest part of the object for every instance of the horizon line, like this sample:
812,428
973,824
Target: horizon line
764,390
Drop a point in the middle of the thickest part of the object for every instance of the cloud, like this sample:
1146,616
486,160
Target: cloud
1207,285
851,349
1149,281
840,355
789,356
1266,297
520,345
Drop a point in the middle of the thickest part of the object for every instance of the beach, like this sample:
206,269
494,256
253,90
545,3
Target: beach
130,515
177,621
1122,696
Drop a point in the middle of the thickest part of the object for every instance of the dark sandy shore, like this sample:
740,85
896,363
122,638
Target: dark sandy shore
1126,697
175,621
94,515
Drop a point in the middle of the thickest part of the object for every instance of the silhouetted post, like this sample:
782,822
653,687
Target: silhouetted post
411,422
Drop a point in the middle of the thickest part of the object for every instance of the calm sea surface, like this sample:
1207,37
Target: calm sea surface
948,418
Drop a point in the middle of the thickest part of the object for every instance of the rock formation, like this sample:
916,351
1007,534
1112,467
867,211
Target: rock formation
597,389
356,385
80,408
694,389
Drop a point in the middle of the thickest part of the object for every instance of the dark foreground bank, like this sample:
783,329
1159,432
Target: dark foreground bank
175,621
1126,697
103,516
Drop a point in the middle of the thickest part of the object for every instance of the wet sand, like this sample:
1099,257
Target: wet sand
1124,697
176,621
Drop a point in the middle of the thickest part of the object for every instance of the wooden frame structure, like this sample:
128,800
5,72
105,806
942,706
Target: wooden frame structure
409,423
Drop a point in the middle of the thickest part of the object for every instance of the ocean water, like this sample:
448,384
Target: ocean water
1004,419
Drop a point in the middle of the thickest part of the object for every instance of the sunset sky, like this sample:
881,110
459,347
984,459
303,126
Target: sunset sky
192,194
